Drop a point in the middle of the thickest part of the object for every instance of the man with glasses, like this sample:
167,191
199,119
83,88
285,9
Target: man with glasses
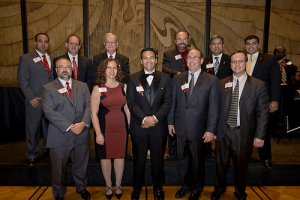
242,125
111,44
193,118
81,65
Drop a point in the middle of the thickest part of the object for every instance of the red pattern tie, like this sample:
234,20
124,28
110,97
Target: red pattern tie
75,68
46,64
69,90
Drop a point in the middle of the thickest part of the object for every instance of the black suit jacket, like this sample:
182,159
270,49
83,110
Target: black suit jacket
84,67
140,106
170,65
200,113
254,111
267,69
123,60
224,67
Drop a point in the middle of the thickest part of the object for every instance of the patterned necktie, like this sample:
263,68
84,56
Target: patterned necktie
46,64
216,66
191,86
232,118
249,66
75,68
283,74
69,89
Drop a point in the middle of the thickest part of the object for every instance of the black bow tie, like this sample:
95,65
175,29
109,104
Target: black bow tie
152,74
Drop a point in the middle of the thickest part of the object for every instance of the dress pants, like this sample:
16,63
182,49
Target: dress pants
230,146
157,147
59,159
265,151
35,124
172,143
191,163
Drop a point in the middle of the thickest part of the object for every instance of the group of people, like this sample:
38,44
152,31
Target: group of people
186,100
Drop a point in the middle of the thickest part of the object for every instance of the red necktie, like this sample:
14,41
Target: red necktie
69,90
46,64
110,56
75,68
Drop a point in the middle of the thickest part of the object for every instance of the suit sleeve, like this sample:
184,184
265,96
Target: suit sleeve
166,65
87,111
262,113
125,69
171,115
275,77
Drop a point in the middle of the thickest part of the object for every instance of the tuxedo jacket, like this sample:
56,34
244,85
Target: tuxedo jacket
170,65
123,60
200,113
224,67
254,110
84,66
140,106
267,69
62,112
33,75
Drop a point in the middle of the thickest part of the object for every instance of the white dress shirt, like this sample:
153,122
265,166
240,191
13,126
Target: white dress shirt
254,59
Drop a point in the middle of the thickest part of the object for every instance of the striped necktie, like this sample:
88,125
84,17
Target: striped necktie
283,74
216,66
232,118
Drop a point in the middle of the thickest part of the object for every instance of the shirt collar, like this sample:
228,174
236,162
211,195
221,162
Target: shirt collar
71,57
242,78
197,72
255,55
113,55
63,82
41,55
219,56
149,72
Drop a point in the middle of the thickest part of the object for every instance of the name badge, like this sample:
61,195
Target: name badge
209,66
184,86
37,59
102,89
139,89
62,90
227,85
178,57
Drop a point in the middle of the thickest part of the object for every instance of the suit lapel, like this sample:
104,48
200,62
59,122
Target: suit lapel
65,95
41,63
80,65
185,79
222,64
228,93
246,88
210,61
198,84
144,83
74,91
258,61
156,81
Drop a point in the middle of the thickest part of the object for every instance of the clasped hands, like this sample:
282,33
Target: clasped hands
149,121
77,128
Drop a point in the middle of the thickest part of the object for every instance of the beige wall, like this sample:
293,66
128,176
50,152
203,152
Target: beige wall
233,19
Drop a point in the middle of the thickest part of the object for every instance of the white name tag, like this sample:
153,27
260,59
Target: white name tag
289,63
209,66
102,89
139,89
228,84
184,86
62,90
37,59
178,57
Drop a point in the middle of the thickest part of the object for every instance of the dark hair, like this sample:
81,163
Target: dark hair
61,58
101,76
246,58
215,37
250,37
294,73
72,35
278,47
149,49
182,30
35,37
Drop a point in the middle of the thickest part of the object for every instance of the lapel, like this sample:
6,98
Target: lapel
41,63
65,95
80,65
222,64
179,60
185,79
258,61
156,81
246,88
198,83
210,61
228,94
144,83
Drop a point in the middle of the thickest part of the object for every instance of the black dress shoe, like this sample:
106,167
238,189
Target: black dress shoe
59,198
135,195
109,196
120,194
194,196
268,164
181,193
238,197
85,194
159,194
215,195
31,162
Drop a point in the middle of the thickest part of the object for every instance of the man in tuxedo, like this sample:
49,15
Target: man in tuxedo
66,104
149,99
81,65
193,119
242,125
35,69
266,68
111,44
174,62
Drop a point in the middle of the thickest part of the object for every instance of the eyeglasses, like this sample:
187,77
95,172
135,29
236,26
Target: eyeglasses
72,43
110,42
237,61
194,57
63,67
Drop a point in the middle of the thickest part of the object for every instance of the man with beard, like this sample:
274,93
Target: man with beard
34,70
66,104
174,62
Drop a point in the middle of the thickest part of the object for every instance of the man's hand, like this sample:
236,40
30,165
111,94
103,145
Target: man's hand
171,130
150,121
273,106
35,102
258,142
77,128
100,139
208,136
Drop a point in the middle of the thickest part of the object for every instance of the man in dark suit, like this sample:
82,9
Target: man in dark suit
35,69
174,62
266,68
217,63
66,104
242,125
149,99
111,44
193,118
81,65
